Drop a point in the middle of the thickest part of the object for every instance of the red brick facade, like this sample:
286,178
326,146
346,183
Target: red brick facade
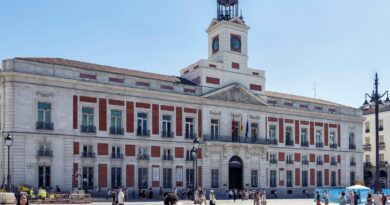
76,148
179,152
281,131
130,117
129,150
102,149
155,119
102,114
102,175
156,151
129,175
179,121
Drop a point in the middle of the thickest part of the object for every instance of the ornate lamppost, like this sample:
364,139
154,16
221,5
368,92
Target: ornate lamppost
376,102
194,153
8,141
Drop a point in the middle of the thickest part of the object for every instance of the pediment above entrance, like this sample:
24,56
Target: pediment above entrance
235,93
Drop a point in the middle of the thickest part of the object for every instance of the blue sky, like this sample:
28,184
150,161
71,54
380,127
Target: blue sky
337,45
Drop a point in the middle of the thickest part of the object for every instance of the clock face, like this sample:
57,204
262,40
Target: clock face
235,43
215,45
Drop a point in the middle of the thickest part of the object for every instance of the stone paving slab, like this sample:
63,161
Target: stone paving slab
226,202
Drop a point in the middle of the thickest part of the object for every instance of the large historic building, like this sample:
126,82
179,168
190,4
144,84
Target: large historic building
77,124
369,146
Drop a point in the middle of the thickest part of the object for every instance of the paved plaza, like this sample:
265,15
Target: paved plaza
225,202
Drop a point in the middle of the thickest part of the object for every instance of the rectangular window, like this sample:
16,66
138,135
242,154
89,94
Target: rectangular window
319,142
189,178
352,178
351,138
88,151
167,126
254,178
367,140
214,129
88,178
116,152
289,136
214,178
289,159
380,125
189,155
272,132
272,182
167,154
167,178
87,121
289,178
381,139
142,124
254,132
116,122
116,177
44,176
304,178
382,157
367,125
319,178
333,178
44,116
332,137
189,132
143,178
304,135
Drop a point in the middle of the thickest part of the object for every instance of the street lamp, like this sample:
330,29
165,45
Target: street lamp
386,165
8,141
194,152
375,101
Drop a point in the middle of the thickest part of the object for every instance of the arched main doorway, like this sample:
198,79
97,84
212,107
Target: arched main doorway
235,173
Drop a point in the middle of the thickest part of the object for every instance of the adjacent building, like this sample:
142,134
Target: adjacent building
78,124
369,146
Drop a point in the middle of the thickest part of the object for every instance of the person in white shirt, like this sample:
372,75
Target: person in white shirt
121,197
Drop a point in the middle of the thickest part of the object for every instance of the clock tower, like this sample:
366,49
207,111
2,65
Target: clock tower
228,37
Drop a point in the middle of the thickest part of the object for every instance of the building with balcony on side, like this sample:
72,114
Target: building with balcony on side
369,146
78,124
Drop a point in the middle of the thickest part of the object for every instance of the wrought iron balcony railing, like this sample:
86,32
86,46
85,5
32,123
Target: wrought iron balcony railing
273,161
88,154
44,153
116,156
305,143
289,142
166,134
367,164
380,128
190,135
333,163
319,144
116,131
272,141
320,162
290,161
189,158
247,140
352,146
41,125
367,147
352,163
367,130
88,128
382,145
306,162
167,157
333,146
143,156
143,133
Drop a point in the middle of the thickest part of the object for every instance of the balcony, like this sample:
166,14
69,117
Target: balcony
367,130
290,161
304,143
116,131
189,158
166,134
40,125
289,142
44,153
319,144
333,163
319,162
380,128
367,147
88,155
367,164
245,140
352,146
273,161
382,145
272,141
116,156
382,163
352,163
143,156
333,146
143,133
167,157
88,128
306,162
190,135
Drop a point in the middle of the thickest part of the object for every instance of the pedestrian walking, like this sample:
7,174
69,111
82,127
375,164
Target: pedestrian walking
213,200
342,199
22,200
256,200
234,195
121,197
172,199
318,198
326,197
369,199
